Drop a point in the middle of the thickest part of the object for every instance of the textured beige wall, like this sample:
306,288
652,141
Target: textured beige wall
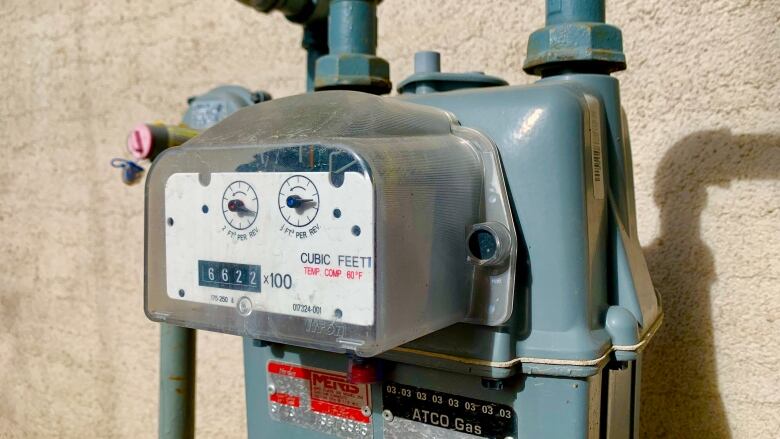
77,356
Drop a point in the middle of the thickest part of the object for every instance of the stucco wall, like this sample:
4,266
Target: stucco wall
79,359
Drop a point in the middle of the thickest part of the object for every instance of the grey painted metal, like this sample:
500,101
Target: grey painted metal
427,61
351,63
575,38
539,131
568,11
352,27
577,302
177,382
428,77
218,103
632,287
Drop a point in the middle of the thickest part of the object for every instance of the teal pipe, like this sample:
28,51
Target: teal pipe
571,11
352,27
177,382
351,62
575,39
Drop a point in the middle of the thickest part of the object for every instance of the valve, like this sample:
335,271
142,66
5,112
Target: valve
146,141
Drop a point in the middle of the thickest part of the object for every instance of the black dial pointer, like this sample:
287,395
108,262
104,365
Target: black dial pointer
239,207
294,201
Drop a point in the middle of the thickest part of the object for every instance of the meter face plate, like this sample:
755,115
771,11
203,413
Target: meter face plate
287,243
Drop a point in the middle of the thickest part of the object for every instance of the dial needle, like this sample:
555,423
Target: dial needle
239,207
294,201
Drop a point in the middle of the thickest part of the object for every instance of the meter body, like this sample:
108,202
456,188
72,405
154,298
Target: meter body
350,228
458,261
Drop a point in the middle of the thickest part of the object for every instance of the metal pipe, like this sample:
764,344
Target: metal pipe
351,63
177,382
352,27
571,11
427,61
315,41
575,39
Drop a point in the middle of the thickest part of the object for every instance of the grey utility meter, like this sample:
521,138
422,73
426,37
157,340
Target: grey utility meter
497,297
359,225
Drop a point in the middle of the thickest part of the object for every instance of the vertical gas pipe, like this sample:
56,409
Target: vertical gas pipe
572,11
177,382
351,63
426,62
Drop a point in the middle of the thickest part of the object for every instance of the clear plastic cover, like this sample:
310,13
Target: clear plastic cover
334,220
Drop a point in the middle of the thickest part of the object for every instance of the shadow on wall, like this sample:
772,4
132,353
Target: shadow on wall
681,398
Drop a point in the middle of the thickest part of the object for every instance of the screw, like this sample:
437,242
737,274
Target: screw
387,415
271,388
366,411
244,306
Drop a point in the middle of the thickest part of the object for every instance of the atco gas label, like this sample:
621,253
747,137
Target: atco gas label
320,400
424,413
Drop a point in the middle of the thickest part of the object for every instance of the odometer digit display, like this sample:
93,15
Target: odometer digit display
226,275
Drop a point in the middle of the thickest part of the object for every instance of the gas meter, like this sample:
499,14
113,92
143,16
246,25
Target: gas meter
360,225
461,260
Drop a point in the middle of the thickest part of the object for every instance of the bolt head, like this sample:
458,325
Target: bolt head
244,306
597,43
353,71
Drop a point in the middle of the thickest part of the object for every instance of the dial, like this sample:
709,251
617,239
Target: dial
299,201
240,205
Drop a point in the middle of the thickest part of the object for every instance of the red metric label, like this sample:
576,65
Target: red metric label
329,392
